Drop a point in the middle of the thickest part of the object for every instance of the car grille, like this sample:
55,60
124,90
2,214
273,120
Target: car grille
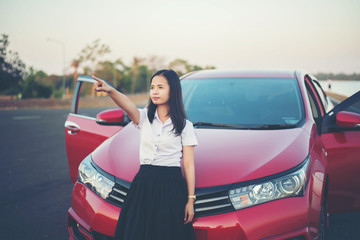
119,192
209,201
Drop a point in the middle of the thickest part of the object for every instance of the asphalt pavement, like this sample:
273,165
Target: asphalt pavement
35,184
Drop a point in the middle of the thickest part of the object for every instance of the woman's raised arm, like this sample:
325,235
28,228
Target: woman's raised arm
120,99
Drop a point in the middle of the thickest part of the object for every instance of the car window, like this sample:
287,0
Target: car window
314,106
243,101
322,95
91,102
318,98
355,108
314,109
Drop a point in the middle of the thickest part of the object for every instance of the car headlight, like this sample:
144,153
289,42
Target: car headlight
289,185
94,179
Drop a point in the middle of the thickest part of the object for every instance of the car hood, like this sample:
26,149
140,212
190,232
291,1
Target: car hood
223,156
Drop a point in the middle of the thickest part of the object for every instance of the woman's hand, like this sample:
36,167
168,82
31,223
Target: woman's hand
100,85
120,99
189,211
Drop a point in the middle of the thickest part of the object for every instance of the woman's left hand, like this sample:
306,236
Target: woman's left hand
189,212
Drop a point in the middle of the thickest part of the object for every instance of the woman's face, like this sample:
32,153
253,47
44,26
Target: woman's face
159,90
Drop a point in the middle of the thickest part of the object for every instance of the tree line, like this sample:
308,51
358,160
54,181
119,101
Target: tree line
16,79
337,76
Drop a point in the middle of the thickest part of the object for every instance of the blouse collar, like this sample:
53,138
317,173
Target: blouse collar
168,121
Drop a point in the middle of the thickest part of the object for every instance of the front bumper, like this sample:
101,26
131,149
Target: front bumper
91,217
274,220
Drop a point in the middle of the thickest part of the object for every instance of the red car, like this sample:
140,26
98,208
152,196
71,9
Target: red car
274,157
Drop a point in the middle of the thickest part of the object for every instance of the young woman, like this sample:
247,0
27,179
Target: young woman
160,202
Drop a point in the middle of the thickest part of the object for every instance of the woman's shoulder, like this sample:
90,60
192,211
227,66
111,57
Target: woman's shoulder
188,135
188,125
188,122
143,116
143,112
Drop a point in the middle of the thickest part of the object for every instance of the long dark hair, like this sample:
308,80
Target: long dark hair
177,112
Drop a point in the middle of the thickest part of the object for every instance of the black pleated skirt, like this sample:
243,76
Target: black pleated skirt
154,208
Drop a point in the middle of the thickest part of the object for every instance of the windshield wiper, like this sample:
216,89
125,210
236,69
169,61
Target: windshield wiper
207,124
274,126
238,126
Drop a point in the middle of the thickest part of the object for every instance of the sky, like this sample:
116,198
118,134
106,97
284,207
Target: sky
313,35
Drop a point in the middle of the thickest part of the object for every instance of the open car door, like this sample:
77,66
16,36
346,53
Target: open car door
340,133
83,132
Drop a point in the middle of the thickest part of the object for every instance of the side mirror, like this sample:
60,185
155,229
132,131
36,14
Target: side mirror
111,117
347,119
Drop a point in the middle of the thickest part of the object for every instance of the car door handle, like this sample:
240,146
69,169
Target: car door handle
72,128
324,151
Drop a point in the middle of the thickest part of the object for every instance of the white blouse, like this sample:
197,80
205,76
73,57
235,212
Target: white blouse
158,143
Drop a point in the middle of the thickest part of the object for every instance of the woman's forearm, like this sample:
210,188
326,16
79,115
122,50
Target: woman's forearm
126,104
120,99
190,179
189,168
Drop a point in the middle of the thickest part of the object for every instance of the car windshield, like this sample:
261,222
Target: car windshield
265,103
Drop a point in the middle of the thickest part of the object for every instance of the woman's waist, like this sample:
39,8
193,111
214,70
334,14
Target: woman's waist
161,160
160,169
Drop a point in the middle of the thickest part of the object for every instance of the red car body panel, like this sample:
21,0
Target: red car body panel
227,156
89,137
343,150
101,216
254,156
347,119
